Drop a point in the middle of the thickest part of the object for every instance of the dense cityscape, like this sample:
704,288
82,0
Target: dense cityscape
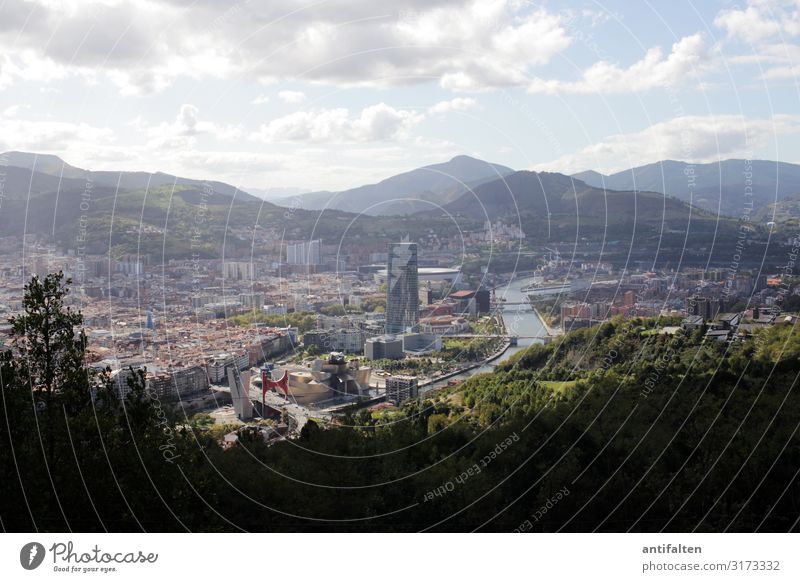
349,335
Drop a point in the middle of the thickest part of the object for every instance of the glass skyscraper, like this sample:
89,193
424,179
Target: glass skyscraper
402,289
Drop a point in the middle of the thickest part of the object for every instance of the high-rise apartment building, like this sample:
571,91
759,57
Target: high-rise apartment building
402,289
401,388
304,253
238,271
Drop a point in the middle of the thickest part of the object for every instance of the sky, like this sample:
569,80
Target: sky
334,94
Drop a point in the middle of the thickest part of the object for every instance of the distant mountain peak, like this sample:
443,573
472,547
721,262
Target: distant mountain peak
588,175
54,166
21,156
413,190
45,163
465,161
546,200
466,158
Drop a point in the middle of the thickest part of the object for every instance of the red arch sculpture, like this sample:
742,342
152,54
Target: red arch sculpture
267,382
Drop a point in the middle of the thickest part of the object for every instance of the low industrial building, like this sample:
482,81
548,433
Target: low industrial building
384,346
444,325
350,341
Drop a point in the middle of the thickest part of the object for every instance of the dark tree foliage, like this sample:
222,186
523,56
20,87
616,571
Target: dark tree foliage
612,428
73,456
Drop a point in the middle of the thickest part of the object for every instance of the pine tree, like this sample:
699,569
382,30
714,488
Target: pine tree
50,353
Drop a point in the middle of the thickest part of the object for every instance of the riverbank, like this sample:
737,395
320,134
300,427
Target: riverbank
551,331
496,355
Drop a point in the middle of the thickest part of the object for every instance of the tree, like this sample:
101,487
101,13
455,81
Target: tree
89,457
50,354
45,334
336,309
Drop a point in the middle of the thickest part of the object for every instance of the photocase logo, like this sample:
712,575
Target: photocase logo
31,555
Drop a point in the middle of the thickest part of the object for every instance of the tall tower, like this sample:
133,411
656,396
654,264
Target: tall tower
402,289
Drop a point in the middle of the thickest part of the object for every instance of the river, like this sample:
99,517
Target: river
520,320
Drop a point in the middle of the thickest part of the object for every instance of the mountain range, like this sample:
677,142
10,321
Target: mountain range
722,187
725,188
553,195
554,207
46,167
410,192
43,194
118,211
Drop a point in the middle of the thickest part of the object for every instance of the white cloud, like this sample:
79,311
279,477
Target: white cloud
138,82
291,96
689,57
182,132
186,121
760,20
230,164
13,111
144,46
49,136
260,99
382,122
490,43
690,138
457,104
313,126
782,72
27,65
379,122
768,27
99,148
